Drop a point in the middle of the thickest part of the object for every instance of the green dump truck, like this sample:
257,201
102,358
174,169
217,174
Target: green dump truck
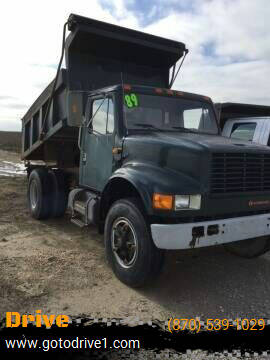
144,163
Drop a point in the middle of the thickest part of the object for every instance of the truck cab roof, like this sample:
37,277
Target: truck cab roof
151,90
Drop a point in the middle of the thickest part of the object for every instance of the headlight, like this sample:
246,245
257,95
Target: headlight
176,202
181,202
184,202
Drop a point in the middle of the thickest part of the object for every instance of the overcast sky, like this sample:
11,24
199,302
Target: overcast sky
229,43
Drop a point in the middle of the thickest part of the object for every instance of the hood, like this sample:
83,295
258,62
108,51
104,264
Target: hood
186,153
201,142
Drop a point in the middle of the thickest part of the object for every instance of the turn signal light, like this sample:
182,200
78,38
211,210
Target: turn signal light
164,202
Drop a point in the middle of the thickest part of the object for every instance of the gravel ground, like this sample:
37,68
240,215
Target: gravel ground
57,267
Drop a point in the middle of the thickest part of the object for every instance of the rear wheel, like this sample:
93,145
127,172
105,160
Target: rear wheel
130,250
59,193
39,194
249,248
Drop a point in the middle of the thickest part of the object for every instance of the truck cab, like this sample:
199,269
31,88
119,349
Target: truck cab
120,117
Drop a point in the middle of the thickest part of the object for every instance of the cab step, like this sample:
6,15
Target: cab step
84,207
78,222
80,207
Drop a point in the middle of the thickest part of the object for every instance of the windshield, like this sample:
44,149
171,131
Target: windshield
168,113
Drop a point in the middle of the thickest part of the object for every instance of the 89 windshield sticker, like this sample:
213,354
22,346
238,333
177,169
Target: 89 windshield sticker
131,100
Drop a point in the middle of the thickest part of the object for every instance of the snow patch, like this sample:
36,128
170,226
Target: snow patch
8,168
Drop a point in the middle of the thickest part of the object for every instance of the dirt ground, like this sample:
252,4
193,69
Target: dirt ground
59,268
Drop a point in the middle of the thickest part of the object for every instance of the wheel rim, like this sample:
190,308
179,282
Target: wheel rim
33,194
124,242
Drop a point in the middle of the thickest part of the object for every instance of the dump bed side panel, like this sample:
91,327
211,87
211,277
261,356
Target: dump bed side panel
57,129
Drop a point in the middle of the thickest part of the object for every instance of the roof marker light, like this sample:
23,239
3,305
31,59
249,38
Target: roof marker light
127,87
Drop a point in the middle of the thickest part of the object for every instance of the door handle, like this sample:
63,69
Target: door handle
84,158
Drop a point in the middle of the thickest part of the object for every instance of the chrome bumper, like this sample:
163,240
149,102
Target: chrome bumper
190,235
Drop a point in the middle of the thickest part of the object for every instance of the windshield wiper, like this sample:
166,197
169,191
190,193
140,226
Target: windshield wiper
148,126
194,131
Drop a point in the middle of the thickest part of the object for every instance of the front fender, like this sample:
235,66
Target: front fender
149,179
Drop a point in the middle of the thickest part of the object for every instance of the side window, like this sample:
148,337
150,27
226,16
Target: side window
243,131
103,111
99,110
110,124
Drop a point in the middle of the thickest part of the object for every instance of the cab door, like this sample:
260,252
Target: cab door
98,141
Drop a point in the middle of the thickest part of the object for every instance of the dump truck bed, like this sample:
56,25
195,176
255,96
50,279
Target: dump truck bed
98,55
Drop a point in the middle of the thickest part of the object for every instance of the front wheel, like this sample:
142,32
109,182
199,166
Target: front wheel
130,250
249,248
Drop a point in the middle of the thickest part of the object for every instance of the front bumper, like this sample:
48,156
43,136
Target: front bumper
209,233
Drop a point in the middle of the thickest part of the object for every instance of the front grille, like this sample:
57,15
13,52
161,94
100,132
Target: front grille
240,172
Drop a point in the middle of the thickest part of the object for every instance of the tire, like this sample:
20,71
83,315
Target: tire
39,194
250,248
59,193
144,261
